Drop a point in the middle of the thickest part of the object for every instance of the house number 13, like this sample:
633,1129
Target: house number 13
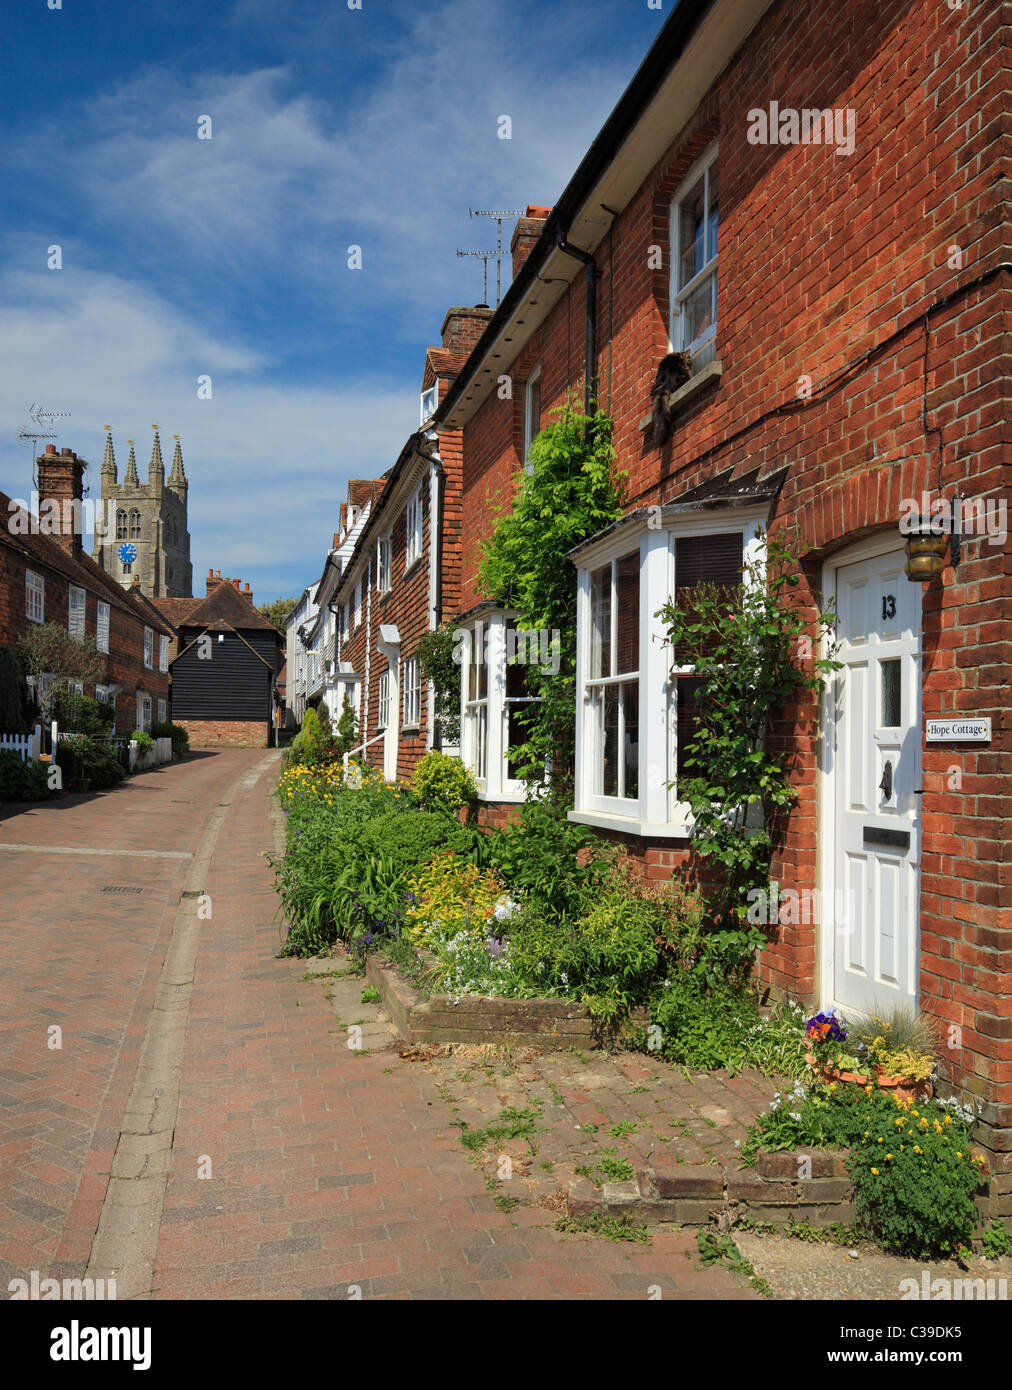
889,605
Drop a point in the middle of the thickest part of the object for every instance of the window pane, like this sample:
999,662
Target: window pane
711,216
892,676
691,213
697,311
609,698
631,739
688,719
516,734
627,596
600,622
706,560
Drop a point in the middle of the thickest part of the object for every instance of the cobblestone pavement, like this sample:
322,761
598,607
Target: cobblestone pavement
299,1167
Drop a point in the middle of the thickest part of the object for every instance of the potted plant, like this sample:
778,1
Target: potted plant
895,1053
828,1053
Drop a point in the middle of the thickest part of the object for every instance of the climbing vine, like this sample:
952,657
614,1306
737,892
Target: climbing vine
752,647
437,651
569,490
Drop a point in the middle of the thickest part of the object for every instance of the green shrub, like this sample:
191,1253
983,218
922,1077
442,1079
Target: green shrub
180,737
911,1162
80,714
22,781
409,839
553,864
440,780
317,743
93,760
143,740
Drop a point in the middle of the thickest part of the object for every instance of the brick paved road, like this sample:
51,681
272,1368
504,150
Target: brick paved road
329,1168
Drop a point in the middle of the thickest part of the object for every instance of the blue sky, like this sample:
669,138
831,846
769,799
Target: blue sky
228,257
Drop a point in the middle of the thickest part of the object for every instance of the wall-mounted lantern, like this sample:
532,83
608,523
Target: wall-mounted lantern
927,540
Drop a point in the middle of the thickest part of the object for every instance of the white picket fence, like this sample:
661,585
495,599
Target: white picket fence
27,746
160,752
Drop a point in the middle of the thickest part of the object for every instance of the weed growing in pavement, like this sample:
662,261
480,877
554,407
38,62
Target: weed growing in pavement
599,1223
722,1250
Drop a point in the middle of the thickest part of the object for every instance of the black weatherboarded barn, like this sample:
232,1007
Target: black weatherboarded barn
224,673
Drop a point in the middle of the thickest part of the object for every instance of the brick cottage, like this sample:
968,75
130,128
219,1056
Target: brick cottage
46,577
806,204
810,201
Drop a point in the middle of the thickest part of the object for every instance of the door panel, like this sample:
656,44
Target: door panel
875,723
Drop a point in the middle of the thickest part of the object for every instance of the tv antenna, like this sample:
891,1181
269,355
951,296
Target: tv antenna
486,256
39,417
499,214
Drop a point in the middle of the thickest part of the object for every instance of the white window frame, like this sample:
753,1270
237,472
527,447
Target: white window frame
163,652
429,401
358,604
412,681
35,597
484,720
149,648
656,810
102,626
346,622
704,347
384,564
161,712
533,379
413,529
77,610
143,711
383,702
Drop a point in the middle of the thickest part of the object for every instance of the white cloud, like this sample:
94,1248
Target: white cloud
268,463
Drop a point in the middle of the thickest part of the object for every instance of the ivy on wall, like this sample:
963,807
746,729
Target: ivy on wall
569,490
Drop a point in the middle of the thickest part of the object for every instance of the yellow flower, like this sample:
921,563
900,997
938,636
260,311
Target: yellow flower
918,1149
878,1141
947,1120
888,1157
959,1153
875,1171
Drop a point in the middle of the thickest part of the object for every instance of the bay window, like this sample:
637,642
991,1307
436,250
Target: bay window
495,656
636,708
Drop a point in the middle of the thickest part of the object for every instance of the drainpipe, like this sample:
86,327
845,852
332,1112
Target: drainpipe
591,351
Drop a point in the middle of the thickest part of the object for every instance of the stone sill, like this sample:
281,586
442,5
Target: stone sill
706,376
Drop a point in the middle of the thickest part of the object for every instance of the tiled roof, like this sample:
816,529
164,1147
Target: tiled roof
82,570
226,604
176,610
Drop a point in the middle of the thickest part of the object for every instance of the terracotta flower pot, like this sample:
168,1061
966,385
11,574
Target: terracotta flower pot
829,1073
906,1088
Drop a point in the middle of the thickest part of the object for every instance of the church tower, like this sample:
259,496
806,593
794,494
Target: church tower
150,538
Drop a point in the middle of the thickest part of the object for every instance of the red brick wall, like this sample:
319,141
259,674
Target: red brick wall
226,733
835,268
125,662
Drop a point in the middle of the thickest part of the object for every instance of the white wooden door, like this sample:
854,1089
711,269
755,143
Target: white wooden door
875,709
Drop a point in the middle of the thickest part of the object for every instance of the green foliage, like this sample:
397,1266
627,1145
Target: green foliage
744,644
554,864
569,491
279,610
996,1240
346,733
180,737
371,995
83,758
80,714
408,839
599,1223
15,701
443,781
22,781
49,649
143,740
714,1249
913,1171
316,744
449,897
437,652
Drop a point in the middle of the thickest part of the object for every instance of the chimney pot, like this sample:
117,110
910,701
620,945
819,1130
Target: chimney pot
50,448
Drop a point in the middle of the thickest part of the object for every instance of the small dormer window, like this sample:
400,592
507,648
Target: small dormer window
430,399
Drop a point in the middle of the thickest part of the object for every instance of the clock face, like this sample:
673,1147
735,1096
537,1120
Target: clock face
128,554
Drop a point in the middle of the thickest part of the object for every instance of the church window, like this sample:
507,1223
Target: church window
135,524
121,525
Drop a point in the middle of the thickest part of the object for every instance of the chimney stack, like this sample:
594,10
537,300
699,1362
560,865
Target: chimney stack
462,327
526,233
61,491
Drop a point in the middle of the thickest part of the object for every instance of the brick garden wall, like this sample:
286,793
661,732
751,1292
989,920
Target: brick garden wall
226,733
